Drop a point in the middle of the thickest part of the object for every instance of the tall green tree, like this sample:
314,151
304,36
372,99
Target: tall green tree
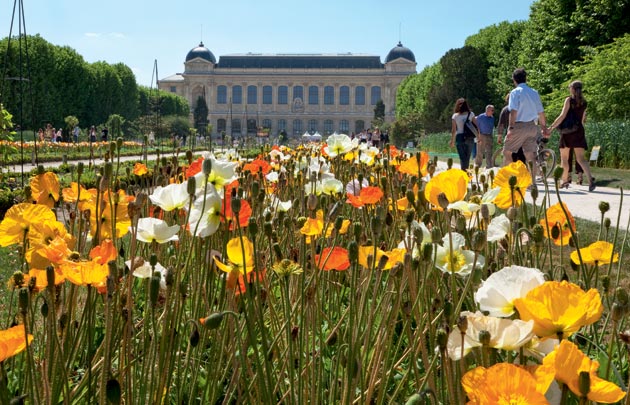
200,115
379,113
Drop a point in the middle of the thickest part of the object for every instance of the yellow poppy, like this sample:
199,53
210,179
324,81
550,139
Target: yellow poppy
394,256
503,383
13,341
559,308
75,192
140,169
600,252
563,224
41,279
502,180
566,363
113,216
43,234
239,263
86,273
19,220
45,189
453,183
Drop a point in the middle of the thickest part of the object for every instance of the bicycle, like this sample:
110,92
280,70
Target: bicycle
545,158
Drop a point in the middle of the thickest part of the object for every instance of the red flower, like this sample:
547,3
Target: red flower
367,196
257,165
194,168
333,259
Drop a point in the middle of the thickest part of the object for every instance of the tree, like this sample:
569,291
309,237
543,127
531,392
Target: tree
200,115
115,123
71,122
407,128
379,113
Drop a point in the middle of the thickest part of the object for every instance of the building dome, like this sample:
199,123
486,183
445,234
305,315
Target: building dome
201,52
399,51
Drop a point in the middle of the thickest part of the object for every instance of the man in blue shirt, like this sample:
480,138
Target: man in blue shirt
485,123
525,109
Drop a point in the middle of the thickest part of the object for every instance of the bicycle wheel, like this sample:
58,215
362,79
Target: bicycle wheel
497,157
546,160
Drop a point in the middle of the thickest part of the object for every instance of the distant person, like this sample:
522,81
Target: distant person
75,133
526,110
464,144
376,137
485,142
59,136
92,134
151,138
50,133
504,123
104,134
40,135
575,104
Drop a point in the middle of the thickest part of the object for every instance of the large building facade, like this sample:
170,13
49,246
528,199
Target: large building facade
294,93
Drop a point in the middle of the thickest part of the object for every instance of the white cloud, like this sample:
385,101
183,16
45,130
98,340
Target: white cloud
92,34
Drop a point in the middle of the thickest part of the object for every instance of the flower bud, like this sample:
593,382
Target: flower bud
485,212
411,197
606,283
436,235
538,233
213,321
252,228
441,337
484,337
448,309
555,231
511,213
415,399
206,167
512,181
191,186
479,240
443,201
113,391
23,300
427,251
334,212
584,382
534,192
255,189
50,276
235,204
607,223
357,230
557,173
409,216
621,296
311,202
449,163
462,324
80,167
460,224
194,337
604,206
353,252
44,309
617,312
189,156
377,226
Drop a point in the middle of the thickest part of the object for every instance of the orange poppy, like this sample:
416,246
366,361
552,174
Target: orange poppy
557,219
236,281
194,168
367,196
104,252
227,215
416,165
13,341
257,165
140,169
333,259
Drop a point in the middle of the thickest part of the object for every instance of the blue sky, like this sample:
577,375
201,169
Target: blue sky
137,32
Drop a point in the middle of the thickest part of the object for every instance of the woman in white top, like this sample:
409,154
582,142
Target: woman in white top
464,144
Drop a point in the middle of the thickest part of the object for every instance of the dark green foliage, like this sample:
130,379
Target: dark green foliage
200,115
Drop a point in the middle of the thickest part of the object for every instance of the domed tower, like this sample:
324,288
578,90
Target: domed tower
400,59
199,59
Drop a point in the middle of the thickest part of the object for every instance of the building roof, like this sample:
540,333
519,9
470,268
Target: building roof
301,61
399,51
201,52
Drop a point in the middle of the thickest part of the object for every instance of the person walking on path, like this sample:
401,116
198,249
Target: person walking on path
574,109
526,110
485,142
464,144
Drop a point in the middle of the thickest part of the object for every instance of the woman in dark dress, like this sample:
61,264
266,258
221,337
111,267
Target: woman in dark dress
577,138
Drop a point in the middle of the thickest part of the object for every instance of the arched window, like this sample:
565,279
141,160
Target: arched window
329,95
344,95
220,125
328,127
359,125
344,126
313,95
312,126
222,95
266,123
252,95
375,95
359,95
251,126
282,125
236,126
267,95
283,95
297,127
237,95
298,92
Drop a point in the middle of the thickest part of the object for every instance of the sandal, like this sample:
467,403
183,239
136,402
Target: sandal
591,184
565,184
580,179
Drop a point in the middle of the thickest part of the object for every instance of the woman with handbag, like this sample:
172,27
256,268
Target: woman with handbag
462,135
570,122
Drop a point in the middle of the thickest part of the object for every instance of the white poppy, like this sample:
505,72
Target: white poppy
143,269
496,295
498,228
331,186
339,145
155,230
171,197
205,216
453,258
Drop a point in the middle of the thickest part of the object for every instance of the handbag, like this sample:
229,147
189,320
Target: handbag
570,123
470,129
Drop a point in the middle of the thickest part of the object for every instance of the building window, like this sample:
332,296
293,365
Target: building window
328,127
282,126
344,95
313,95
267,95
359,125
329,95
312,126
236,126
251,126
375,95
283,95
173,89
237,95
344,126
298,92
222,95
297,127
266,123
359,95
252,95
220,125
